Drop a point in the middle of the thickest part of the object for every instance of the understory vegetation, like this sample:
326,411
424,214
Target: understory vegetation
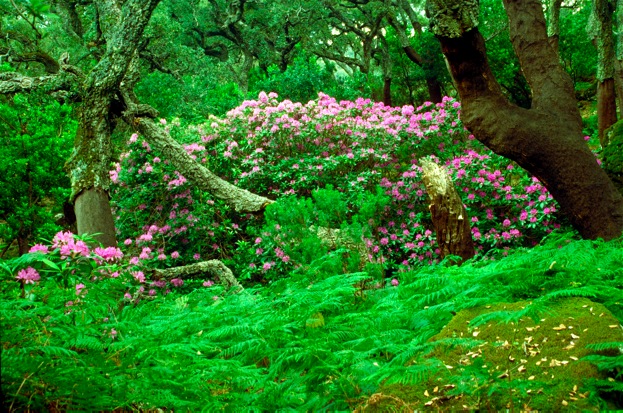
321,339
318,279
373,320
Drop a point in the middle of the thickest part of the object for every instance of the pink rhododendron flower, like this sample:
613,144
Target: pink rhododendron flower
28,276
109,254
39,248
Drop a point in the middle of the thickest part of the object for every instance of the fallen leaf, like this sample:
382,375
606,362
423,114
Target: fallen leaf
436,389
521,368
573,358
613,326
475,333
426,393
564,403
573,336
531,378
560,327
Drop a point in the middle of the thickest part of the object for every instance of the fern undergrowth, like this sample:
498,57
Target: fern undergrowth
318,340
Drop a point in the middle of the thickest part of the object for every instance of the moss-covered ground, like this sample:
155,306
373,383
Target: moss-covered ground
523,365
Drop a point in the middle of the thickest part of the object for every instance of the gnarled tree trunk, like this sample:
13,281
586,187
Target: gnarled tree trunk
546,140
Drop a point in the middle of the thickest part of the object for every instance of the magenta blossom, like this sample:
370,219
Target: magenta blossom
39,248
28,276
109,254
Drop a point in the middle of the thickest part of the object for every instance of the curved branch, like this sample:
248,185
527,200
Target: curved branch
551,86
213,268
240,199
12,82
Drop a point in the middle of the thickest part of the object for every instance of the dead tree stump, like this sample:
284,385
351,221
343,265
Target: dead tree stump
449,216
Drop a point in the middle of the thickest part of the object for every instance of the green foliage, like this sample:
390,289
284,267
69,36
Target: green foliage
302,80
36,137
191,98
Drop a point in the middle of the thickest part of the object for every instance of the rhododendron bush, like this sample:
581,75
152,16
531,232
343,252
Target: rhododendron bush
367,155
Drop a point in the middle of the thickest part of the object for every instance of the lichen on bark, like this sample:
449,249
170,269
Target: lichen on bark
452,18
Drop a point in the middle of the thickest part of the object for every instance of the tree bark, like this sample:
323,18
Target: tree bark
618,78
450,219
606,107
387,91
92,209
546,140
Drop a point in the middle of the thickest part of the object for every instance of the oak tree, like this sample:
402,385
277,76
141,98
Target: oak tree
546,139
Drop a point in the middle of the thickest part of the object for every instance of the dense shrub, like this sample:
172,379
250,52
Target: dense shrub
282,149
36,138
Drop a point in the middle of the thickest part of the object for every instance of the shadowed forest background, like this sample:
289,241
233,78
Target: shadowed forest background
368,205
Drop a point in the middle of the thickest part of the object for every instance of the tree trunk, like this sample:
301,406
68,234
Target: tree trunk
434,89
454,236
90,161
618,73
606,108
22,245
387,91
93,215
546,140
600,29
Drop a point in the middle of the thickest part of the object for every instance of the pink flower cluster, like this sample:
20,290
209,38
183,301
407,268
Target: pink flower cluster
279,148
28,276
